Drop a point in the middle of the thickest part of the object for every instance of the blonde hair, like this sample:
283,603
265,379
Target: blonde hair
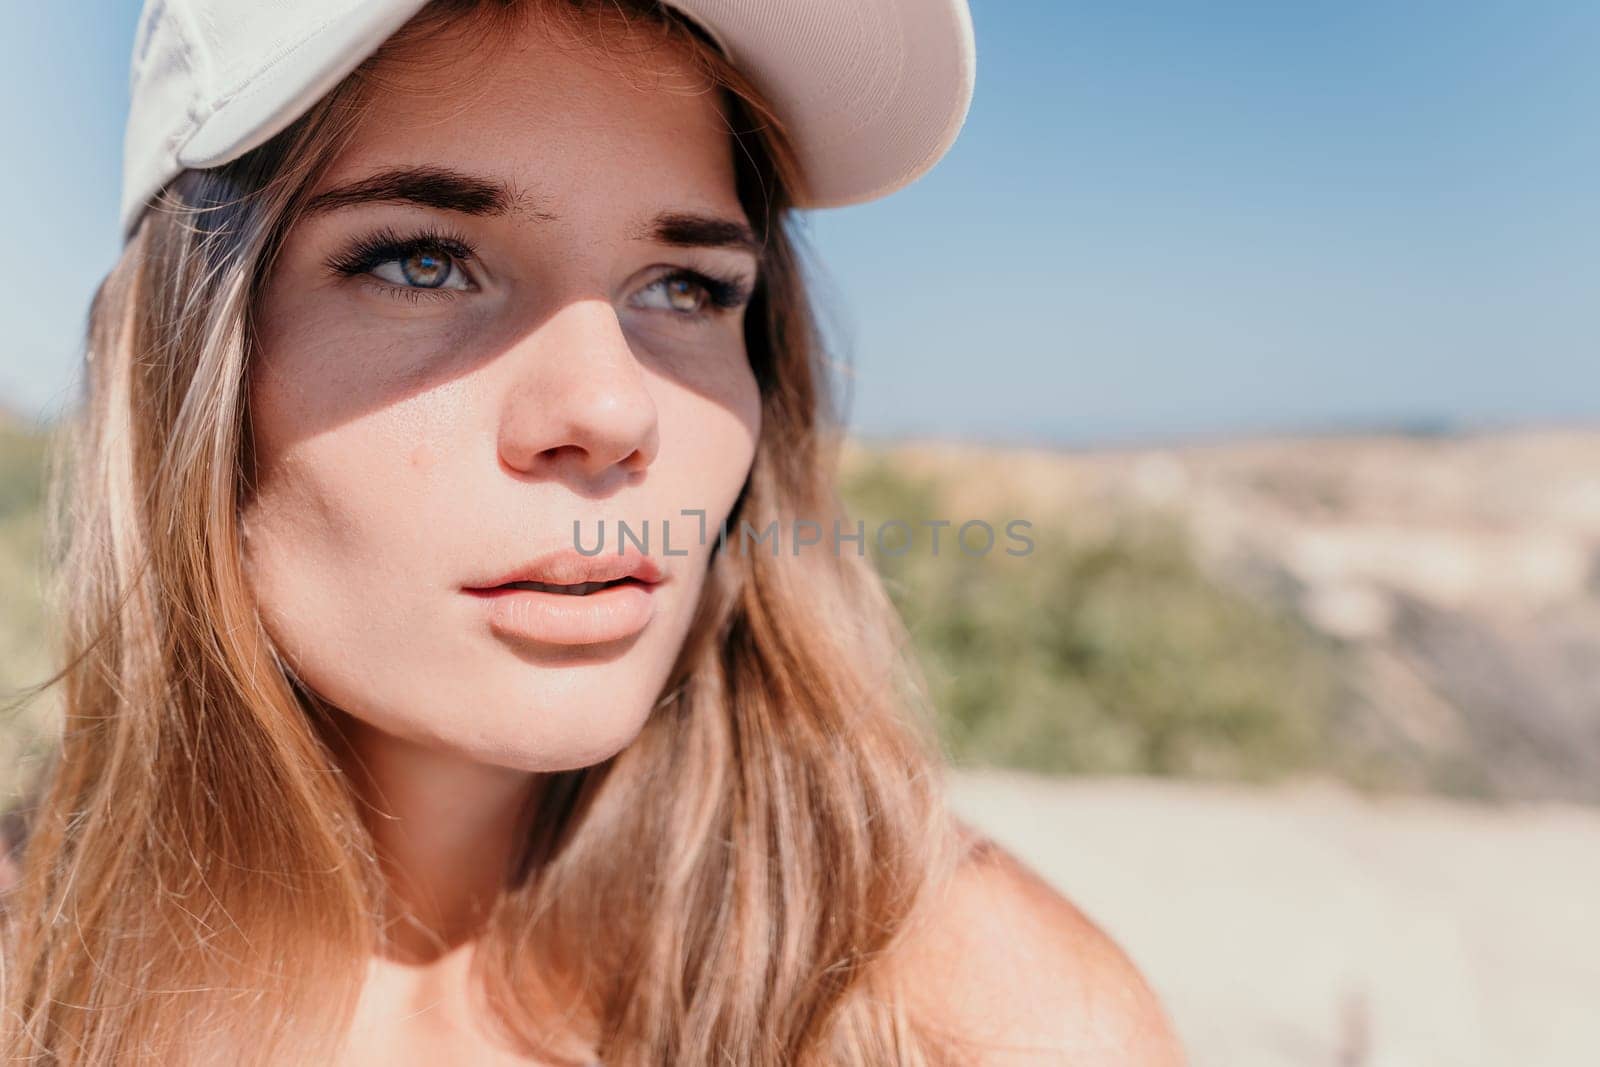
197,886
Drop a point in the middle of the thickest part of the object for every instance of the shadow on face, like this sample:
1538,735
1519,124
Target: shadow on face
511,318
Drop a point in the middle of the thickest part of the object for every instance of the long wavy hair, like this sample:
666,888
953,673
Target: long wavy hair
197,887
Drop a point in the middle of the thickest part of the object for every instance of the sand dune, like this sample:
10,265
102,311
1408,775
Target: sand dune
1307,925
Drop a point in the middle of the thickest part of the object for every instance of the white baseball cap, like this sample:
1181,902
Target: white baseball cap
873,92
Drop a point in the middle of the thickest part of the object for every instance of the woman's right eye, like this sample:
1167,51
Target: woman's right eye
408,266
422,268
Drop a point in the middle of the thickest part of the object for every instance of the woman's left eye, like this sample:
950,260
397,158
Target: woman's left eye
694,295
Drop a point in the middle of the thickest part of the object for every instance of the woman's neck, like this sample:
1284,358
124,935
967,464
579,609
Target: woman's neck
446,830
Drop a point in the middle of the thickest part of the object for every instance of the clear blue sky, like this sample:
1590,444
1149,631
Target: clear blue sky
1162,218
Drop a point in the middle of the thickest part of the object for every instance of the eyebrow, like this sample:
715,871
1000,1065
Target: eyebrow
450,190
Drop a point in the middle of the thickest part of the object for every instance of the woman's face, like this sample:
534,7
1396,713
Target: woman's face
427,421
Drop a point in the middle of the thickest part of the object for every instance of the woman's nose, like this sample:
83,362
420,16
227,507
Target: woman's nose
579,404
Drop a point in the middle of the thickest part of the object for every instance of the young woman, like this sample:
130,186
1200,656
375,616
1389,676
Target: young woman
384,742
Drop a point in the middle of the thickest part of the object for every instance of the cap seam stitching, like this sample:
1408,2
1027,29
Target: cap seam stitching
186,35
243,83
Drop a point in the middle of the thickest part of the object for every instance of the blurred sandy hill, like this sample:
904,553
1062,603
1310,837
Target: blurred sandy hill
1304,925
1458,576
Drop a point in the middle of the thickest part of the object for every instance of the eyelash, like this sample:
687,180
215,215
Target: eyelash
382,246
724,293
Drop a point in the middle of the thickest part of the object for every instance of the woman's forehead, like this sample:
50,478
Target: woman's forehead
571,64
546,114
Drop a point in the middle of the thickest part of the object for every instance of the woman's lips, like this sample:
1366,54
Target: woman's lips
607,611
568,566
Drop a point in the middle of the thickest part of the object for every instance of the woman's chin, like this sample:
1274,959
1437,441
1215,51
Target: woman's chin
539,736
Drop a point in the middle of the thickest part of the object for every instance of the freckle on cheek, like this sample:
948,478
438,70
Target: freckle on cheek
422,457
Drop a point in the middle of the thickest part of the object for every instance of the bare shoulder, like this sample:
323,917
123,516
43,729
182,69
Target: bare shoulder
1006,961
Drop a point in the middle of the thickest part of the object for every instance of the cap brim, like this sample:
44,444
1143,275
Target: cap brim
872,94
301,75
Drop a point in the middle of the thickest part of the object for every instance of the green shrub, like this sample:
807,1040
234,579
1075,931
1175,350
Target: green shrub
1102,652
24,657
